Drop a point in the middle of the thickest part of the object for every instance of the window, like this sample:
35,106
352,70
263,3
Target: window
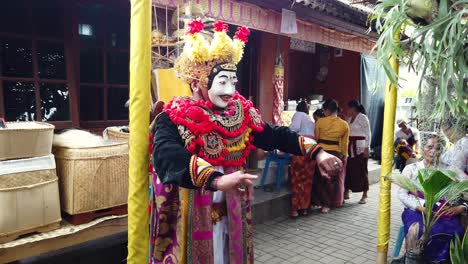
16,57
85,30
21,103
33,74
104,58
65,62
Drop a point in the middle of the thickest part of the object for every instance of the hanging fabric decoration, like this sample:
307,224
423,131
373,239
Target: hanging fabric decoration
278,84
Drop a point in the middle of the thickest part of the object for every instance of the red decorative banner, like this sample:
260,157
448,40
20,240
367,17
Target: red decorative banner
255,17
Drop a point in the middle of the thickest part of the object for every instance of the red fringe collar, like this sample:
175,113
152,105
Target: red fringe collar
200,118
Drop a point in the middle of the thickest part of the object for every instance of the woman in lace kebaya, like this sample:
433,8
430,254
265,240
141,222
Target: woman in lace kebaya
444,230
356,178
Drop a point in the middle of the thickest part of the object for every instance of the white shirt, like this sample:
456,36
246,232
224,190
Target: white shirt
408,200
302,124
220,231
360,127
457,157
414,131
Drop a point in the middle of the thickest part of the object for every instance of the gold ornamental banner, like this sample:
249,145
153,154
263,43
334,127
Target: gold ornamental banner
255,17
278,84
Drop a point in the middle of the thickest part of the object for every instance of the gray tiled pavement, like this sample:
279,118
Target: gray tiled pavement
345,235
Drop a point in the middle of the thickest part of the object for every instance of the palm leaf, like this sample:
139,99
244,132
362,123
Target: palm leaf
456,250
441,48
406,183
465,245
455,190
433,181
459,249
451,193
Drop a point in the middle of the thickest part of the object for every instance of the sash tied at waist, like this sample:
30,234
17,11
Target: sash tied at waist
328,142
352,148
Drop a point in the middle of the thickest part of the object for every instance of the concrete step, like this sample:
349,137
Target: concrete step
270,205
373,167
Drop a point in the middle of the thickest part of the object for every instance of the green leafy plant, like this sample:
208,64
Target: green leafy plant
435,185
459,249
432,38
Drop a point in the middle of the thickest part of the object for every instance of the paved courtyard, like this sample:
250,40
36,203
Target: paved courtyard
345,235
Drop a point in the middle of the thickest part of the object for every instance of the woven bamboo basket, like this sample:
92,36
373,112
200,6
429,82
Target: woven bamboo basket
29,196
25,140
92,179
114,134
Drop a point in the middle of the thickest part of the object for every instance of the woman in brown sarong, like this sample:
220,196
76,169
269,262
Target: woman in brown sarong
359,141
331,133
302,169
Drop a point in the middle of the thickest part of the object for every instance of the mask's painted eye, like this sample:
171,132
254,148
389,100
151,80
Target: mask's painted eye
222,82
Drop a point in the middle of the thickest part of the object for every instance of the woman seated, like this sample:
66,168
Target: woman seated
444,230
404,153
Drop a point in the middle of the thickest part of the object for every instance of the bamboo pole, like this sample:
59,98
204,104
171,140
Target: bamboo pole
383,225
140,69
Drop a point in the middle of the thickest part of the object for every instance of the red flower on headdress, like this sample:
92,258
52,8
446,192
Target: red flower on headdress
220,27
242,34
195,26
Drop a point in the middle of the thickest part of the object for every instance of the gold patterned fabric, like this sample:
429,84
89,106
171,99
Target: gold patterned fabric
218,210
200,171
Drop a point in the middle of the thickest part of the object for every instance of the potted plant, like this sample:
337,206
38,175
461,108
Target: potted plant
436,186
459,249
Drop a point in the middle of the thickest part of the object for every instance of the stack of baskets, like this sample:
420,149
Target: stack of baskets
29,194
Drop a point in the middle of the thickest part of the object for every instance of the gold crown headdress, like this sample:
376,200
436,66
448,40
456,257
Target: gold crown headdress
201,60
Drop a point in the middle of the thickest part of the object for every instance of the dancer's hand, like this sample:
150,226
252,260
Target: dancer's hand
328,164
238,182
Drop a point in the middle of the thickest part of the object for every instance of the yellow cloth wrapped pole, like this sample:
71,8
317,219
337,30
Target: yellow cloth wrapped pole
383,225
140,77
